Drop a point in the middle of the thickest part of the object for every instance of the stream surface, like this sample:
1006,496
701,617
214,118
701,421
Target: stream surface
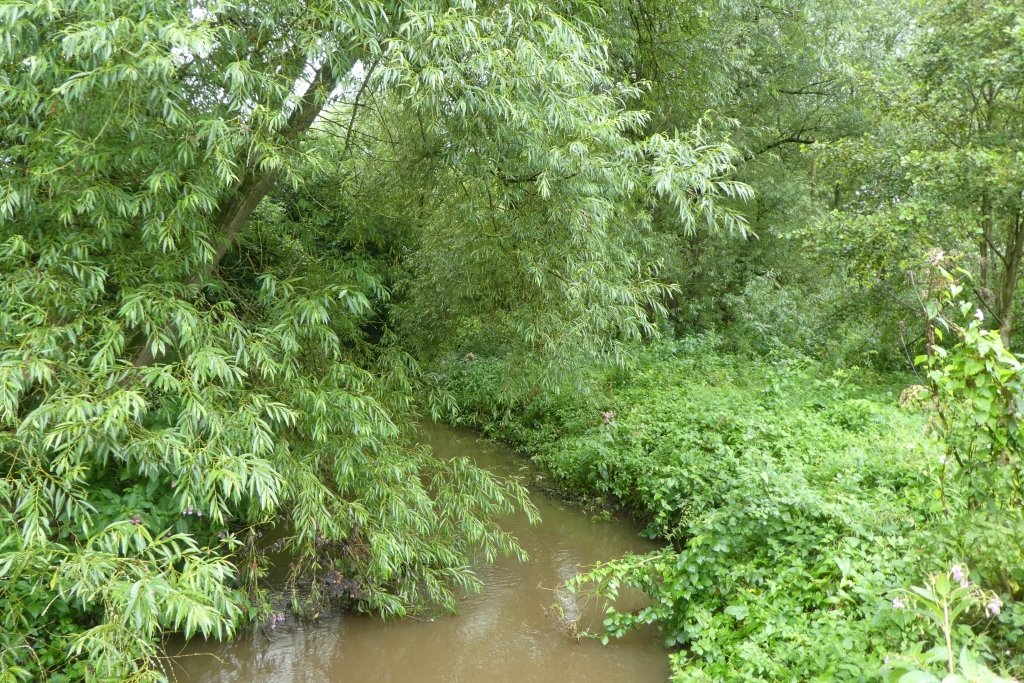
507,633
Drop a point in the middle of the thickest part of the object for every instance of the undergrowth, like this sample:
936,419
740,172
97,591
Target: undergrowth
795,502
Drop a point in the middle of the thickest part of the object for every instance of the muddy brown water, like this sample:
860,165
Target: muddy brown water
507,633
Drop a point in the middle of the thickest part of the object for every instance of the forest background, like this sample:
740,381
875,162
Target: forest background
745,269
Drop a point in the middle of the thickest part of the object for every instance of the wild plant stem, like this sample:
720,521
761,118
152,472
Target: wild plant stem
946,628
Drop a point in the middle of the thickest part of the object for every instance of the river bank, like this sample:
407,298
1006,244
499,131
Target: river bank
798,499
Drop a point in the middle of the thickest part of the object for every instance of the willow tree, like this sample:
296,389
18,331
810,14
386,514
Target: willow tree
167,390
783,77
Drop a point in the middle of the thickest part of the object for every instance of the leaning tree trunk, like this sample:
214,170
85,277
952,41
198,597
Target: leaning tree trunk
255,184
1008,278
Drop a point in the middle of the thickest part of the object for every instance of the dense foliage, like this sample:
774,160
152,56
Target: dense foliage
686,254
186,360
796,502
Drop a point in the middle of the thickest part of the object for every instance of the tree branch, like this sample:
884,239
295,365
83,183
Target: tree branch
992,245
355,108
791,140
255,186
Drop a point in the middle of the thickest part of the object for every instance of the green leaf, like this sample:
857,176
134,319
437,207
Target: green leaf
739,612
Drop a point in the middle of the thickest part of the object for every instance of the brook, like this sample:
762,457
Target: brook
511,632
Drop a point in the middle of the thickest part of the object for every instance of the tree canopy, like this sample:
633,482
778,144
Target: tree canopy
205,207
243,243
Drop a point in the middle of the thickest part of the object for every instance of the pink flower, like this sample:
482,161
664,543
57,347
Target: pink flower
958,573
898,604
993,607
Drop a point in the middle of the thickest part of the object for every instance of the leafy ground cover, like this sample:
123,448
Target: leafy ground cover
796,503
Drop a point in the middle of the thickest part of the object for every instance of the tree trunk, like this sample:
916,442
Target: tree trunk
255,185
814,176
1008,279
986,237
